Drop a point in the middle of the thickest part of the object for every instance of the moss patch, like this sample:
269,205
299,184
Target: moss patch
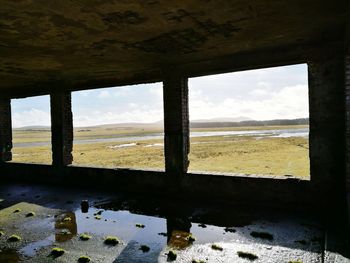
190,238
14,238
84,237
144,248
57,252
98,217
172,255
111,241
84,259
247,255
262,235
295,261
216,247
30,214
67,219
197,261
230,229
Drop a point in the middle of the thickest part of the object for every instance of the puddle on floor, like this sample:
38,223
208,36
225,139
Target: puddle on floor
160,226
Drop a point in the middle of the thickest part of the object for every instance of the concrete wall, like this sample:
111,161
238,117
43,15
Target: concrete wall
327,114
61,128
327,142
347,105
176,124
5,130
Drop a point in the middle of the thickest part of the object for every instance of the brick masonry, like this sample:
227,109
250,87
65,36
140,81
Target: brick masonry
176,124
347,120
61,128
327,144
347,104
327,113
5,130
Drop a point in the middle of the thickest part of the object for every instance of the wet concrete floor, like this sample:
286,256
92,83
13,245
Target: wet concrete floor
147,229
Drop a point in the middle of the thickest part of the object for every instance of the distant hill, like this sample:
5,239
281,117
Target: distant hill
223,119
33,128
204,123
279,122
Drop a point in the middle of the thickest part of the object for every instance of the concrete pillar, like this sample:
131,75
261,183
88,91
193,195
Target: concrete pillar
5,130
327,114
347,123
61,128
176,125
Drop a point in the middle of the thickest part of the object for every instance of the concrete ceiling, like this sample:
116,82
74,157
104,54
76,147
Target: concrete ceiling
88,41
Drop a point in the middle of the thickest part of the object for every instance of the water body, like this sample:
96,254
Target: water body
280,133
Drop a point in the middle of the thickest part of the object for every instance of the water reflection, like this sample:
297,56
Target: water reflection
9,256
66,226
179,229
168,225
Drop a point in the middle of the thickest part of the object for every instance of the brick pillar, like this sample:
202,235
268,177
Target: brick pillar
5,130
61,128
327,114
176,125
347,108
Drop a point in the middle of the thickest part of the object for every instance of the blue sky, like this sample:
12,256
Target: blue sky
270,93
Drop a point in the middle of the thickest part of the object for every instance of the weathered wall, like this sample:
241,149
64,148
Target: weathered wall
326,88
283,192
61,128
176,125
347,105
5,130
327,114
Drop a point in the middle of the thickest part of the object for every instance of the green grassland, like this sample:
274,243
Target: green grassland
231,154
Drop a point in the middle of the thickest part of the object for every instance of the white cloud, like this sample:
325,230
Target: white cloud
259,94
287,103
103,94
32,117
138,114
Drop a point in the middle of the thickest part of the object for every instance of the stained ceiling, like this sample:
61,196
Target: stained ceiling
48,44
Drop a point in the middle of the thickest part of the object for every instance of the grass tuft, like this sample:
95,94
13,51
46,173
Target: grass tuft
111,241
247,255
84,259
262,235
190,238
14,238
84,237
144,248
57,252
216,247
172,255
30,214
230,229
